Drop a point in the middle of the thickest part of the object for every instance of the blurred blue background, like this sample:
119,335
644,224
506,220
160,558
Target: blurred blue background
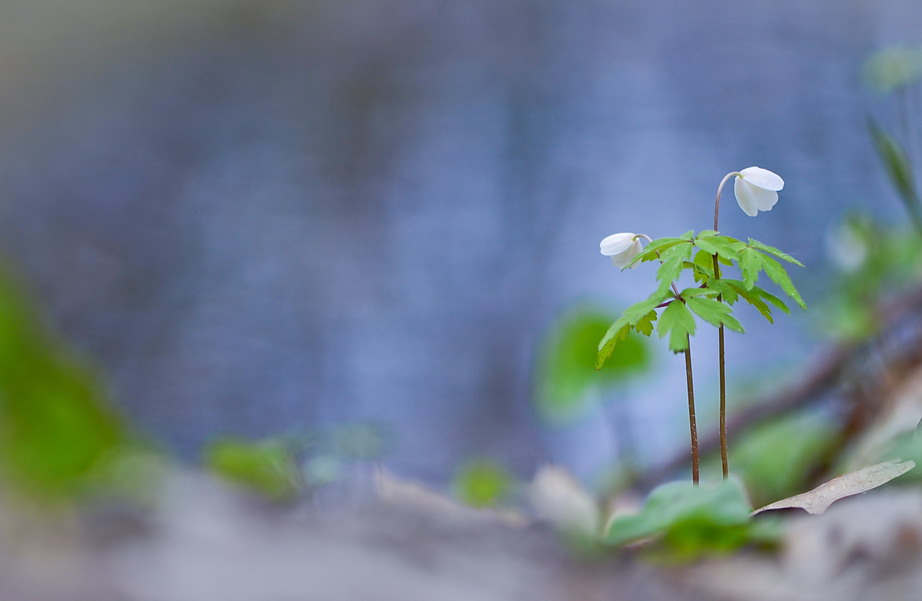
263,216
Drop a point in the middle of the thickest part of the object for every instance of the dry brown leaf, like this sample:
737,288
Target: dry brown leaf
820,498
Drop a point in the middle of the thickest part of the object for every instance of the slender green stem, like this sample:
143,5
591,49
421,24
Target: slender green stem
721,354
692,424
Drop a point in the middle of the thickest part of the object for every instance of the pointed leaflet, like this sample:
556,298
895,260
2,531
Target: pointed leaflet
723,287
645,324
752,297
652,250
714,312
704,266
723,246
774,251
631,317
750,266
690,292
776,272
771,298
673,264
679,323
615,334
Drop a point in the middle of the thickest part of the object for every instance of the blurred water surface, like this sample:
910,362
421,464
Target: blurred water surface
265,216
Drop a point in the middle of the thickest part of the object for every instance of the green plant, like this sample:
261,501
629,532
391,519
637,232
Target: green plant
686,520
713,296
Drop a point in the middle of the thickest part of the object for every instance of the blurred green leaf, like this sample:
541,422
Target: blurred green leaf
874,260
57,427
898,168
689,520
266,467
566,373
774,459
907,447
482,483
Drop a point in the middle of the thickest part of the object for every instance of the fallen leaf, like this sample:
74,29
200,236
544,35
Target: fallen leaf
820,498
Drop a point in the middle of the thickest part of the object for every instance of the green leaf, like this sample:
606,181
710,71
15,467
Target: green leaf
776,272
714,312
645,324
724,288
619,330
565,371
267,467
704,264
750,265
689,235
59,433
673,264
482,483
652,250
679,323
725,247
615,334
690,292
771,298
689,519
706,234
753,298
899,169
774,251
774,458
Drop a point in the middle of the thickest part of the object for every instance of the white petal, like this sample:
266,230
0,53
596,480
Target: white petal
753,199
616,243
763,178
623,258
743,193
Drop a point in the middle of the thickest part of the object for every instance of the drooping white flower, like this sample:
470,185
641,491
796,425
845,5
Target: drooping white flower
622,248
757,189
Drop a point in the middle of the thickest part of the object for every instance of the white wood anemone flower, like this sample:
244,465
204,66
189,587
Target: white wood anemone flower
622,248
756,189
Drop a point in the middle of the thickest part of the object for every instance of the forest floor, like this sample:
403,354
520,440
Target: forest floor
203,542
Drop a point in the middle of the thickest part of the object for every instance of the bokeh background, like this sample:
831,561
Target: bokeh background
267,218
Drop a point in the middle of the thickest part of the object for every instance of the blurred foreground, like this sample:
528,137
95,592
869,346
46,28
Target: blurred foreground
198,540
